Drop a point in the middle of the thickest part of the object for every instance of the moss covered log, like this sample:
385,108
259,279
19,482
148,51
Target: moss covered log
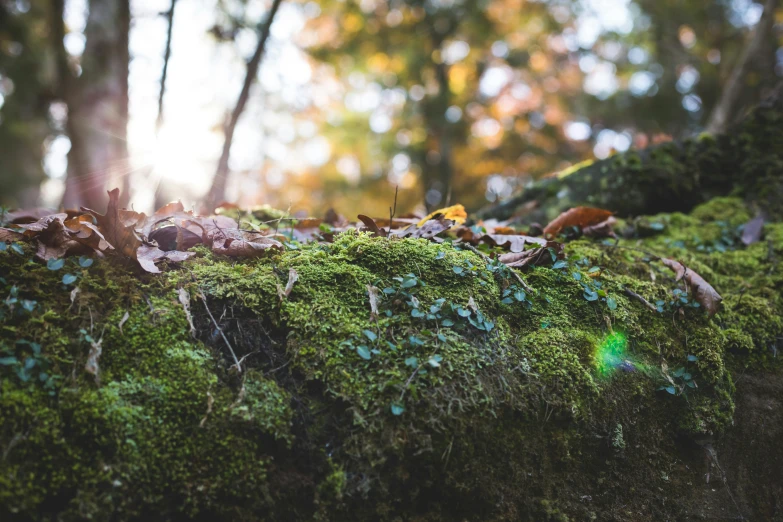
461,397
746,162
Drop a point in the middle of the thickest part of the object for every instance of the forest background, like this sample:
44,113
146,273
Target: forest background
310,105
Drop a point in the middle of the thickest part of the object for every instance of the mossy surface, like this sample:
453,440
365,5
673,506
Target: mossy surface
463,397
746,161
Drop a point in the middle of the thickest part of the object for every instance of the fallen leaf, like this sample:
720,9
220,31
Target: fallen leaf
293,277
51,236
751,232
702,291
8,235
74,294
455,213
184,299
541,256
372,226
514,243
83,229
581,217
124,320
374,293
602,229
429,230
91,366
241,243
123,238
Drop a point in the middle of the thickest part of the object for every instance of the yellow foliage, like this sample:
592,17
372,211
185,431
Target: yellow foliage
454,212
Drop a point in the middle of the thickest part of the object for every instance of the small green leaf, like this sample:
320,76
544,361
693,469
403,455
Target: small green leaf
611,303
370,335
440,255
519,295
435,360
397,408
8,361
692,358
364,352
594,269
671,390
16,247
457,269
447,322
560,264
413,362
576,275
3,246
85,262
55,264
69,279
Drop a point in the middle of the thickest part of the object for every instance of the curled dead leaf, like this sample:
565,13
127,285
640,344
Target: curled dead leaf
581,217
540,256
701,290
429,230
372,226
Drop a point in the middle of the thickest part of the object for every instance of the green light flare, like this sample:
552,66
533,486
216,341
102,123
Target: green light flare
610,355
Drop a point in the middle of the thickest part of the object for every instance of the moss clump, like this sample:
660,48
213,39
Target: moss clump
461,396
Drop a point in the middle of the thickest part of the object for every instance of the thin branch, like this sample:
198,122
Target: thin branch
219,329
645,302
218,189
166,57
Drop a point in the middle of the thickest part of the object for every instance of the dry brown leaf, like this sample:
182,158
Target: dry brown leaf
52,237
581,217
701,290
123,238
374,294
91,366
293,277
241,243
370,224
124,320
429,230
9,235
83,230
184,299
602,229
541,256
515,243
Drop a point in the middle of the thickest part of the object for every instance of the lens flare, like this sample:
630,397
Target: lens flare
610,354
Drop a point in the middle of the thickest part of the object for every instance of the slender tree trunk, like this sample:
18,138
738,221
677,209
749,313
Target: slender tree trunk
727,103
160,199
98,107
217,192
166,57
440,182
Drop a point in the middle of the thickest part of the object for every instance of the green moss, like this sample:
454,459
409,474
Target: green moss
459,387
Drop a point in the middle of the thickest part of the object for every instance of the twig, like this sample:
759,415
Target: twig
214,322
488,260
392,212
645,302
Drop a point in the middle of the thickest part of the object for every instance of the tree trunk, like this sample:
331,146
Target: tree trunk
727,103
217,191
98,107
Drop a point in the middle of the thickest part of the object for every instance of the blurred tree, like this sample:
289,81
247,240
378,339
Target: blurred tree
97,101
25,93
472,99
